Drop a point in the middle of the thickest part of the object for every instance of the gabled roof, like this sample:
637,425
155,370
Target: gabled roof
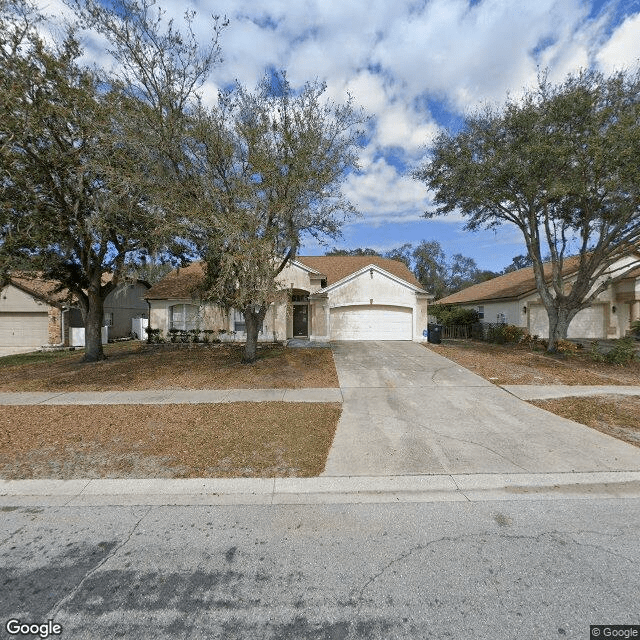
338,267
47,290
365,271
178,284
513,285
181,283
40,288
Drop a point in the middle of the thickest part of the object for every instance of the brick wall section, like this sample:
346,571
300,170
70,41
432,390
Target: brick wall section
55,317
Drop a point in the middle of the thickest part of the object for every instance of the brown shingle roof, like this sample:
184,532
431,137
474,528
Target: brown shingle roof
40,288
178,284
511,285
183,283
338,267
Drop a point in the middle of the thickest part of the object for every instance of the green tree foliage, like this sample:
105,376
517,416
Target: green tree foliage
450,315
79,150
353,252
562,164
265,168
518,262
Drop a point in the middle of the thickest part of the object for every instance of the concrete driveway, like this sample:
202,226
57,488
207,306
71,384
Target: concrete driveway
408,410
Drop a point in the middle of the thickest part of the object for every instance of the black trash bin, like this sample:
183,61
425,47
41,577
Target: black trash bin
435,333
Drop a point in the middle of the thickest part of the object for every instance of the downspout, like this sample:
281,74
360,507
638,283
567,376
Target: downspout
149,322
62,311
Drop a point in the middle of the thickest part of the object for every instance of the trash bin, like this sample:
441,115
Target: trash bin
435,333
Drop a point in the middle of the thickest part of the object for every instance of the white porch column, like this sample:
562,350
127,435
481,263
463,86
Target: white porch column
635,310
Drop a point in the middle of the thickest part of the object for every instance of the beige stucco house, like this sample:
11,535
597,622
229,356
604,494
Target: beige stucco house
322,298
33,314
513,299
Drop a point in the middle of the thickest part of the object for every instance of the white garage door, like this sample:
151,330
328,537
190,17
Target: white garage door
588,323
21,330
371,322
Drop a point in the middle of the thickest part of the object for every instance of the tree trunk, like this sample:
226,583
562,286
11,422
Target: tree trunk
93,317
559,320
253,321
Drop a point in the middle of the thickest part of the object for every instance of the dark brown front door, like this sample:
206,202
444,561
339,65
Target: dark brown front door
300,320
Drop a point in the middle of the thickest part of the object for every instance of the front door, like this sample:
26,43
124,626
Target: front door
300,320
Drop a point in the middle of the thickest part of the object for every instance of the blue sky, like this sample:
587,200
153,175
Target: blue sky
416,66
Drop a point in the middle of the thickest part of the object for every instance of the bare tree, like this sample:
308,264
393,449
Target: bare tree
266,167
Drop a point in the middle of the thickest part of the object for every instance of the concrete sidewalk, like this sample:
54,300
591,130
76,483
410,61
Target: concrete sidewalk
547,392
169,396
340,490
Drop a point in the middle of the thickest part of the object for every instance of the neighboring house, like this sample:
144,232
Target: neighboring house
323,298
513,299
33,315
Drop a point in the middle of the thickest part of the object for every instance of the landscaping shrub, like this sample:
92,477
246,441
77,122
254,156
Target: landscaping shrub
635,328
623,352
503,333
530,341
154,336
565,347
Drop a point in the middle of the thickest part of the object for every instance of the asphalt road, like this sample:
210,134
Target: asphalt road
532,569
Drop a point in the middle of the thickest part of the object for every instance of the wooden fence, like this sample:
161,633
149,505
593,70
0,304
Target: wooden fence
461,331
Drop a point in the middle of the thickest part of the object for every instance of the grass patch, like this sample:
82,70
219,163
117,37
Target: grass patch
618,416
519,364
274,439
135,366
37,357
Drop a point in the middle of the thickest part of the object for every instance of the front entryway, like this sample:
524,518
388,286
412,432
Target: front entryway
300,316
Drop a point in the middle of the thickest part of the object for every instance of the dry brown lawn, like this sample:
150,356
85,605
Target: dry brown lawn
617,416
275,439
134,366
512,364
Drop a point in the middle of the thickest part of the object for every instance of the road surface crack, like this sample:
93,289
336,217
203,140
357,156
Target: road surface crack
67,598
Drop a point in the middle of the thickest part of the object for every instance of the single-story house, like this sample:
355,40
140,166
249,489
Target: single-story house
513,299
33,314
322,298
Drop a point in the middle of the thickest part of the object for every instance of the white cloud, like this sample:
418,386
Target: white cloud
390,55
623,48
382,194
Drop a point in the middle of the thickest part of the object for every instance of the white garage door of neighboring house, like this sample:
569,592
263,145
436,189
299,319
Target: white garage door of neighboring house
588,323
371,322
22,330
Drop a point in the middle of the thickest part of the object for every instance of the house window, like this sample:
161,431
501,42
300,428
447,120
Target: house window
239,324
107,320
480,311
184,317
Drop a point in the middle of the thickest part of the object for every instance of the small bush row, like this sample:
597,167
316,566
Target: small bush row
190,336
622,353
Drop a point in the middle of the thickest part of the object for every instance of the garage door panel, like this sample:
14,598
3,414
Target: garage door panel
24,330
371,322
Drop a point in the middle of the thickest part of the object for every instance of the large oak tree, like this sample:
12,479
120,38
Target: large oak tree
83,153
562,164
